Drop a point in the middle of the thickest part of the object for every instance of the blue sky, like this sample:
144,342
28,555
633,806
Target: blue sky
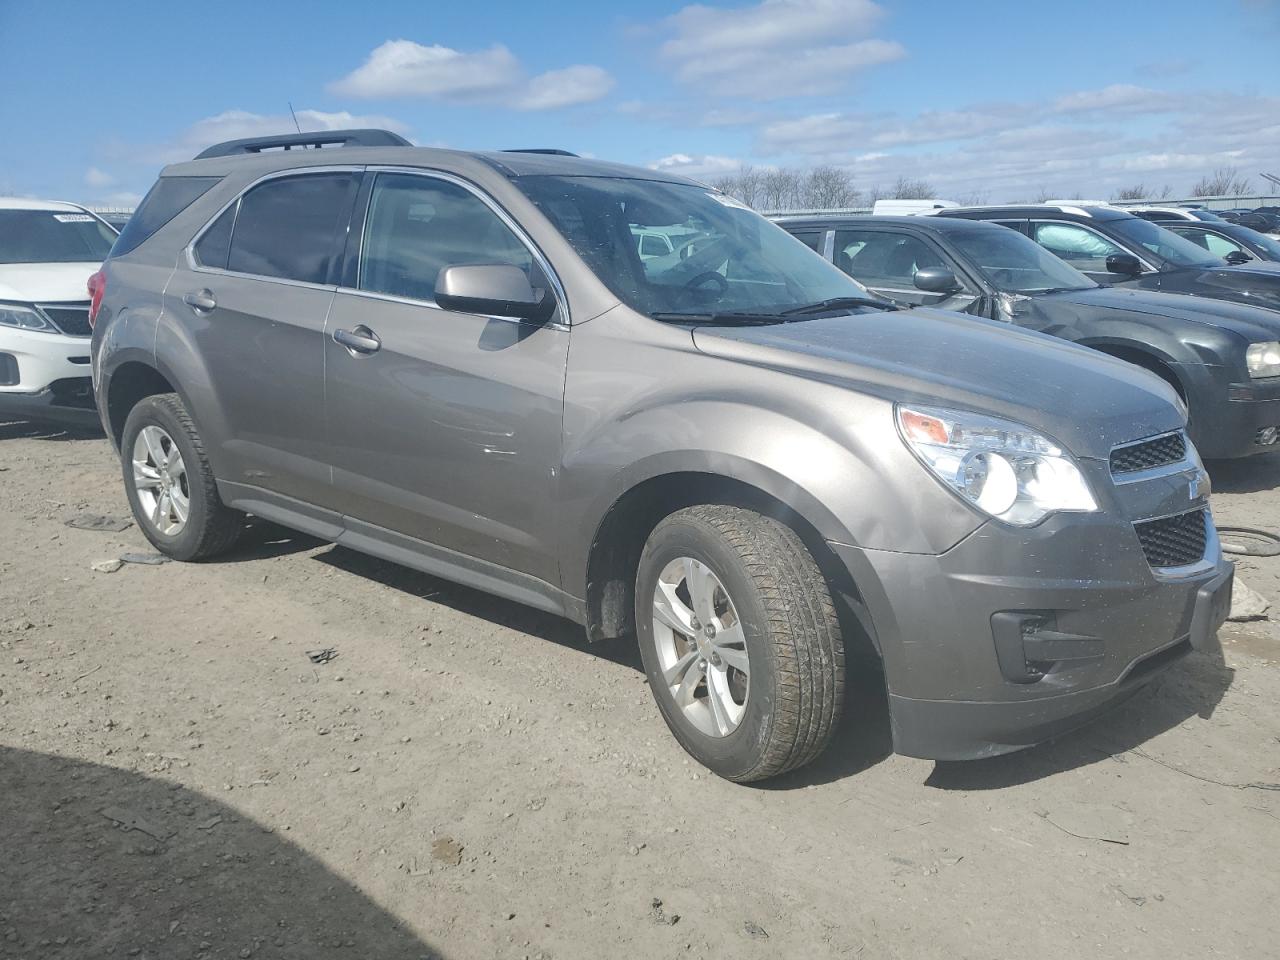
995,99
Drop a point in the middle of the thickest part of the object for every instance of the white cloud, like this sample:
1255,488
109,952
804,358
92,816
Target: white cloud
698,167
1091,141
403,68
94,177
564,88
776,48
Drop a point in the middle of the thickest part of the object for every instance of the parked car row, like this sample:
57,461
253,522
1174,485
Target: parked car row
1222,357
624,397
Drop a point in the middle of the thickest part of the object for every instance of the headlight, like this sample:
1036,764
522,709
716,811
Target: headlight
24,318
1006,470
1263,359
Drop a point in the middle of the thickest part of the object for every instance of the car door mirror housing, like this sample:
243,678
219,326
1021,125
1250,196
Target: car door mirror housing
1125,264
936,280
493,289
1237,257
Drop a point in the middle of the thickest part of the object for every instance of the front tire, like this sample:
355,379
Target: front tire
740,641
170,484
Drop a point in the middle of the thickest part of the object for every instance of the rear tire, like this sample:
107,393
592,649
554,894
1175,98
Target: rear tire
761,691
170,485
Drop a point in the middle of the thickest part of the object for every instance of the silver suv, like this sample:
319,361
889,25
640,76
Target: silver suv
482,365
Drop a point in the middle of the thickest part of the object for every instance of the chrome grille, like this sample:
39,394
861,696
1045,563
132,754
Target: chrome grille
1156,452
1174,541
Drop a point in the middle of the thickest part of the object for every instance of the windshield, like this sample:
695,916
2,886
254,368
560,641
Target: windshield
1013,263
52,236
1260,241
670,248
1176,251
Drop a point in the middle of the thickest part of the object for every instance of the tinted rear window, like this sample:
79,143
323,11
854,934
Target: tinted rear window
53,236
289,228
164,201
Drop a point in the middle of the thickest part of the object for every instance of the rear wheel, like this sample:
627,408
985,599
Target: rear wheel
170,484
740,641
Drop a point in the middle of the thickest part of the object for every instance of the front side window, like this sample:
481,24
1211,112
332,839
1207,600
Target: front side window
418,225
1013,264
1081,247
1164,245
53,236
724,258
290,228
1214,244
878,259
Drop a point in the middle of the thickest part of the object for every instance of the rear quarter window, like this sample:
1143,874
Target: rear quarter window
167,198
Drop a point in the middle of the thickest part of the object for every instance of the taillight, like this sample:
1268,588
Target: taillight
97,287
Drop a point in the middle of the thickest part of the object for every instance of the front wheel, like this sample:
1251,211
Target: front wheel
740,641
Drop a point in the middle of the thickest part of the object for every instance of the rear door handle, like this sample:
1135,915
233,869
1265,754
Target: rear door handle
200,301
361,340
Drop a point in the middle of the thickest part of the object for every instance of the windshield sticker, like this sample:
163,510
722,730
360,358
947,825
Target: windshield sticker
73,218
727,201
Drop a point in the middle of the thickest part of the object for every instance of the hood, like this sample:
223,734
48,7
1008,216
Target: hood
1085,400
38,282
1250,322
1251,283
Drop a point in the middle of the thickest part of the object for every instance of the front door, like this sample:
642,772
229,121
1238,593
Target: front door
886,261
445,427
254,296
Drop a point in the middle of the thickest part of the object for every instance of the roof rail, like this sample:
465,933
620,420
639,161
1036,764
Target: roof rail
551,151
304,141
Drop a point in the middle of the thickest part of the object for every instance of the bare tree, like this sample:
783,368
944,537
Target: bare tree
974,198
828,188
1043,195
875,193
908,189
1138,191
780,189
1225,182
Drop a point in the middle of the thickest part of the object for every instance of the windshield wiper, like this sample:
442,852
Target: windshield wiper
839,303
725,318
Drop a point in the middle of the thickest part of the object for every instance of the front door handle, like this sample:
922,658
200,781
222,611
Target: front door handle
201,301
361,340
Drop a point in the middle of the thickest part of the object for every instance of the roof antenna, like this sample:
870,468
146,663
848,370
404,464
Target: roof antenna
294,115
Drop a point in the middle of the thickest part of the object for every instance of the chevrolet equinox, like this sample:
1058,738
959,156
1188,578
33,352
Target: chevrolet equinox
483,366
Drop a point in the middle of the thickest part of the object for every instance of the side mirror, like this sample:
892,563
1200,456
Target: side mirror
936,280
493,289
1125,264
1237,257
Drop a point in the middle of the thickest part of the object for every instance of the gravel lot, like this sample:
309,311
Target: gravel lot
470,779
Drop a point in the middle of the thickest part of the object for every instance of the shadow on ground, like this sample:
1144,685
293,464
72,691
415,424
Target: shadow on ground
1246,475
31,430
486,606
1193,687
174,881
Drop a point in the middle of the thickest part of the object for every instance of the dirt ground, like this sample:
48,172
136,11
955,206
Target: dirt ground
470,779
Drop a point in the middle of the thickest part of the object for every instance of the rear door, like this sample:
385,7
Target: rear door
885,261
445,426
253,292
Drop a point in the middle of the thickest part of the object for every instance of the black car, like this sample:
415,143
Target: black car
1222,358
1234,242
1114,247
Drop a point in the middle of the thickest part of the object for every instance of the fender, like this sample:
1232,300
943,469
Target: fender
863,487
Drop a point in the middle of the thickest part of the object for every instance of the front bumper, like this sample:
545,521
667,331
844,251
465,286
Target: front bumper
45,376
1080,595
1231,420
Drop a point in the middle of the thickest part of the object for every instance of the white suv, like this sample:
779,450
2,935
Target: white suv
48,250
